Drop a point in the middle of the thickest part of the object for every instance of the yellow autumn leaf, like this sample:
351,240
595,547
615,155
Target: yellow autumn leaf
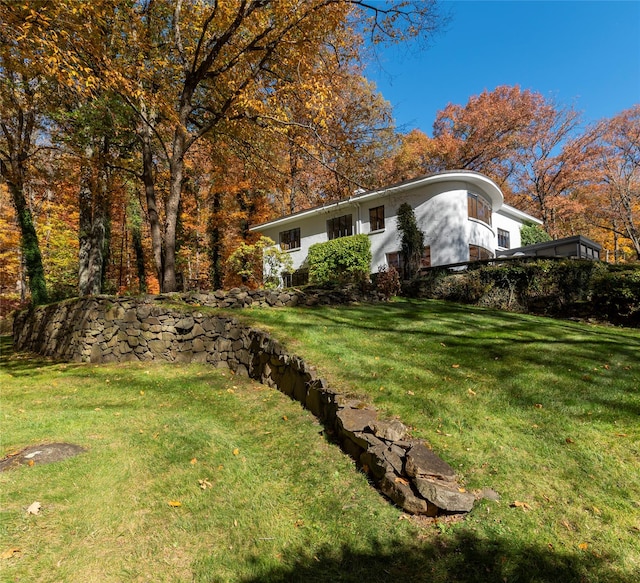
9,553
583,546
175,503
236,451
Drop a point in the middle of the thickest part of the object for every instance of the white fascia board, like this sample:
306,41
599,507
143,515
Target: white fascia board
488,186
521,215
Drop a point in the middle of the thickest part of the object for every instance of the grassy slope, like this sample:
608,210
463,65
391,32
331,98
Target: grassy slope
280,493
546,412
497,395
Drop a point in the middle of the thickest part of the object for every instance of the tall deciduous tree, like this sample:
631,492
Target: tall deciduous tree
620,168
487,132
22,102
225,66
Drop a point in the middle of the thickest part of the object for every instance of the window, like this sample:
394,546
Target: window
426,257
290,239
298,277
477,253
395,260
376,218
339,227
503,239
479,208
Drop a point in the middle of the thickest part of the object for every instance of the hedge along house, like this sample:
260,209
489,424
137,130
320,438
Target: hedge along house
461,213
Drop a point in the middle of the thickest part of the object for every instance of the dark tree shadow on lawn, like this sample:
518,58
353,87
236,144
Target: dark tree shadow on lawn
461,558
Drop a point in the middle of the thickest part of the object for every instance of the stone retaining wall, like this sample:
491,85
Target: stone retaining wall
107,329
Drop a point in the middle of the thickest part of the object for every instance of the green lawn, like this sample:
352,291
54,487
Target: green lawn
547,413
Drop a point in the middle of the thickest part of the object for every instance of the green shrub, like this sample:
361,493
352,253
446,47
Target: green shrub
340,261
564,288
616,294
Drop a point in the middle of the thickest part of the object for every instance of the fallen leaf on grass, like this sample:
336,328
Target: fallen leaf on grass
583,546
569,440
34,508
236,451
471,392
10,553
175,503
455,366
204,484
566,525
523,505
538,405
193,461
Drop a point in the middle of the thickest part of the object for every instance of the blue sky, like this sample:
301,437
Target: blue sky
576,52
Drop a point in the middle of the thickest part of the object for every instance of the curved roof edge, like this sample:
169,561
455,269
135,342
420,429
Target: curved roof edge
488,187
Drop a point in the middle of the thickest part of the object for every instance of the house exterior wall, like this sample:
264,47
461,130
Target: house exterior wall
441,209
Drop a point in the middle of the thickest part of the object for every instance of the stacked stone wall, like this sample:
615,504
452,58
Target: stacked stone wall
108,329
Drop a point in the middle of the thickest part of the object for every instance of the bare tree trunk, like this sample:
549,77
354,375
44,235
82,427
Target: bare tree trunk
150,195
94,228
176,169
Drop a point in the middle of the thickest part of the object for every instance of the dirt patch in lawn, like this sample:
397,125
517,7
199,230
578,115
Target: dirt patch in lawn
45,453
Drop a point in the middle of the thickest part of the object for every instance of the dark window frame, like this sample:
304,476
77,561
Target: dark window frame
394,259
376,218
478,253
341,226
479,208
289,242
426,257
504,239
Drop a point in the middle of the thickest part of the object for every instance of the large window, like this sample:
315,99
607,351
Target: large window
339,227
477,253
290,239
376,218
503,239
479,208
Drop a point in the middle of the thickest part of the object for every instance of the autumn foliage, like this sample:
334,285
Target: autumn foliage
139,140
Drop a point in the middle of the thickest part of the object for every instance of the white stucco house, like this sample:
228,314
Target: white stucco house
462,214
